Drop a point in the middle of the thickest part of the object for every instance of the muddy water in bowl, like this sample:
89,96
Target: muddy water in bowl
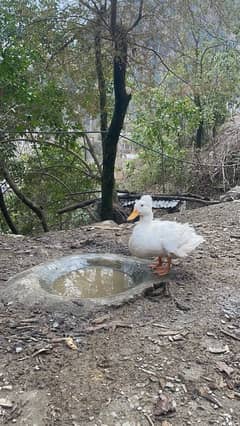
81,282
92,282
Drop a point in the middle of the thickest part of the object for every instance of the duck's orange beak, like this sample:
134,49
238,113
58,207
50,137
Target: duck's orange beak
133,215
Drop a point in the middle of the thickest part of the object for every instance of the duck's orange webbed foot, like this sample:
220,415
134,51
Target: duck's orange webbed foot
164,270
156,264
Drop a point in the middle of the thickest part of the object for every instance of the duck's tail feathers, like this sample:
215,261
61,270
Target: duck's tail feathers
191,242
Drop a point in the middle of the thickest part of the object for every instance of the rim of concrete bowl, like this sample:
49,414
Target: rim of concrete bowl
33,286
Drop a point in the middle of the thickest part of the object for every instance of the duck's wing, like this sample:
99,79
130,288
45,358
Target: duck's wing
176,238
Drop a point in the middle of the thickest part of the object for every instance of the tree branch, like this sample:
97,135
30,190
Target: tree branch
96,10
140,15
6,214
150,49
92,152
166,197
84,163
113,17
204,53
61,48
78,205
41,172
83,192
29,203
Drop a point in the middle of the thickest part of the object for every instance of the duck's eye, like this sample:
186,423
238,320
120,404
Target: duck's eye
141,205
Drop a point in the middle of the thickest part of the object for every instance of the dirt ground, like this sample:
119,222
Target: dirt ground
165,359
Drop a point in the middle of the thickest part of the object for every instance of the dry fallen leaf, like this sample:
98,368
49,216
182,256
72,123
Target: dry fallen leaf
217,384
222,366
204,392
101,319
218,349
70,343
230,395
165,423
165,404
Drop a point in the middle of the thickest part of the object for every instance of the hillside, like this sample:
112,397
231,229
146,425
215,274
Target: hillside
184,344
221,160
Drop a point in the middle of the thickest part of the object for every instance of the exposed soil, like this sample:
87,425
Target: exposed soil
165,359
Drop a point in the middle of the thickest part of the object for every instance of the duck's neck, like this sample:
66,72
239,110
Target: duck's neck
147,218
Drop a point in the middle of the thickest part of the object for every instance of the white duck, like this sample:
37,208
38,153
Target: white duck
151,238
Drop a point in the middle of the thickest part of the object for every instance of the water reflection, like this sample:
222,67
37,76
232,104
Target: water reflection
92,282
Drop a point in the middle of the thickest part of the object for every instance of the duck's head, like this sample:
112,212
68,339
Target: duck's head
142,207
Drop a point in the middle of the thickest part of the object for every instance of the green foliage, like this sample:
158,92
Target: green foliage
165,126
36,99
219,83
48,176
212,73
48,85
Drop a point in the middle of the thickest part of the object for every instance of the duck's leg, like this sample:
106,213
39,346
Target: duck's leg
156,264
164,270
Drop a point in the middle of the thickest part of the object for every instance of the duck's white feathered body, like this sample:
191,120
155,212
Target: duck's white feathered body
152,238
163,238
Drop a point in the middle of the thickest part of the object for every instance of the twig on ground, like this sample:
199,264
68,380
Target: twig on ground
148,419
112,324
227,333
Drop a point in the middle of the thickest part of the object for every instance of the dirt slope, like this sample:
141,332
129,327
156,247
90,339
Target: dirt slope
183,347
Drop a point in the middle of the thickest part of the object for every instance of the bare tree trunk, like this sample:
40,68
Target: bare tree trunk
122,99
199,135
101,78
200,130
6,214
29,203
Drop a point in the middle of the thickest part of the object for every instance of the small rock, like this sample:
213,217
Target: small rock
177,337
5,403
18,349
184,388
7,387
140,385
169,385
162,382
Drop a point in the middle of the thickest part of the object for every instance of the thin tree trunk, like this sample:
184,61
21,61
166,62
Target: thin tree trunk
199,135
101,79
6,214
200,130
122,99
29,203
109,157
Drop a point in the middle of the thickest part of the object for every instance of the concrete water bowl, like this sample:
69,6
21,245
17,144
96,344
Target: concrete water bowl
53,285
